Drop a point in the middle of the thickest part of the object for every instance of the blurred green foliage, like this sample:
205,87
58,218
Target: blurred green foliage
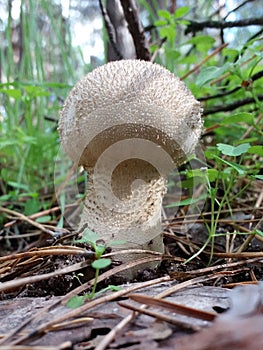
38,70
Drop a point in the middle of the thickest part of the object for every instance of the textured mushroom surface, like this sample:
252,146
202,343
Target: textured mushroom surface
129,123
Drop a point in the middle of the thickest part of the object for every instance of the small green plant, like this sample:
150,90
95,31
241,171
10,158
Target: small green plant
229,171
226,174
167,26
99,263
78,277
28,143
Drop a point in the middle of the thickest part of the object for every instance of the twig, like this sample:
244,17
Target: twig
250,237
115,330
215,81
198,26
37,215
180,219
132,17
163,40
249,130
231,106
207,58
112,272
110,30
112,334
155,314
33,279
55,250
212,269
27,219
173,307
242,255
238,7
73,313
223,94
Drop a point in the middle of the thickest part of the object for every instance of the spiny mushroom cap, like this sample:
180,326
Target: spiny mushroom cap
124,122
129,99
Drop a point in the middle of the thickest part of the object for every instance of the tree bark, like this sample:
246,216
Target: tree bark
121,45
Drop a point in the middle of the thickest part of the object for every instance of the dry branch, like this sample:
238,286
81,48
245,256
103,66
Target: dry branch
231,106
135,27
110,30
198,26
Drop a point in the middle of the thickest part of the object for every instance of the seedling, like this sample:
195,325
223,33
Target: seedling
99,263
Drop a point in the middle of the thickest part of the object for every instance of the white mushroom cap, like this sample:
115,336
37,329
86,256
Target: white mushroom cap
129,92
129,123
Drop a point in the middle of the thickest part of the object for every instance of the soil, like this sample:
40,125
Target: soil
200,284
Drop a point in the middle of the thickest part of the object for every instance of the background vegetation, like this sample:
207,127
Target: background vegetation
220,61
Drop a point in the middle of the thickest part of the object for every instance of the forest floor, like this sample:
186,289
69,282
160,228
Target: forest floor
169,307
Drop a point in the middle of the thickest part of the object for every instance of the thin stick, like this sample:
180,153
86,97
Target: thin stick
112,334
27,219
173,307
58,250
207,58
215,81
159,316
33,279
73,313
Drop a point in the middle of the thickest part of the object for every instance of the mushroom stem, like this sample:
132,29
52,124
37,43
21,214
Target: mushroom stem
128,208
138,205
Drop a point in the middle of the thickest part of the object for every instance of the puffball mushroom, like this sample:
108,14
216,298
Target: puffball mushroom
128,123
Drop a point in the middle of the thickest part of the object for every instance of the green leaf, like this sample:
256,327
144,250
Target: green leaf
35,91
32,206
5,197
200,39
184,21
210,152
203,172
160,23
99,249
15,93
247,140
18,185
211,73
88,236
57,85
44,218
259,232
212,174
191,182
257,52
75,301
186,201
7,143
233,151
259,177
238,168
239,118
164,14
231,54
181,11
256,150
169,33
114,288
111,287
101,263
60,224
